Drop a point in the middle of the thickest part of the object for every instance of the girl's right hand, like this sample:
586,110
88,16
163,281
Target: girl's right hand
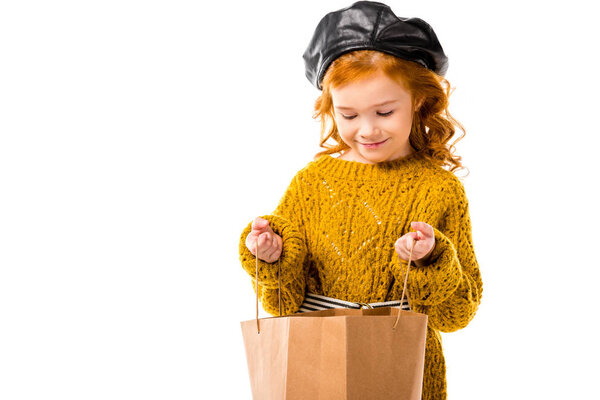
269,243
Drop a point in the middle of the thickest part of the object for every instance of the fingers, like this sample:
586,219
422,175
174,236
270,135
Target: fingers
259,227
269,245
251,242
260,240
264,243
270,248
404,245
267,239
411,239
425,230
259,223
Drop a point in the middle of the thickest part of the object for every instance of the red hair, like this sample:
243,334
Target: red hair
432,125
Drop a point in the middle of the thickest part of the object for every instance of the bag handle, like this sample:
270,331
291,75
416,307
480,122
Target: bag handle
405,281
279,284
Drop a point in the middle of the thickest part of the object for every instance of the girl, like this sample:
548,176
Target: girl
341,233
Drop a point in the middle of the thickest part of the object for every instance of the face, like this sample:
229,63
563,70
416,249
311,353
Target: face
374,118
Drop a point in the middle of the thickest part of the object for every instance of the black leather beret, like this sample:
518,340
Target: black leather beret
371,25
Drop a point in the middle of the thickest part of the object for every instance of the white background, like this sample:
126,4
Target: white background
139,138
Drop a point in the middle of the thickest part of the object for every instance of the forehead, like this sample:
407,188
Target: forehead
370,92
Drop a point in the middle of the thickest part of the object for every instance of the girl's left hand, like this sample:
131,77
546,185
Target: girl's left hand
425,243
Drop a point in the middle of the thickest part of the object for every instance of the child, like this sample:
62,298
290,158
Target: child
341,233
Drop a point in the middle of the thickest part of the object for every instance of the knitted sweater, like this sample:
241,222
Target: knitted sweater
339,221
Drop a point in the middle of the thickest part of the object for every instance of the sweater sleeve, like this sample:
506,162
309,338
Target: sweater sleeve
449,288
287,222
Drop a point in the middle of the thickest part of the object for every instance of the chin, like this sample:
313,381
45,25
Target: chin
374,159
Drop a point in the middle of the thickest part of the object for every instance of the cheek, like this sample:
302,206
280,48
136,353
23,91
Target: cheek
400,123
345,130
347,138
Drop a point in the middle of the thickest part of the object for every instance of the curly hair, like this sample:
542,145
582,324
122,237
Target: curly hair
432,125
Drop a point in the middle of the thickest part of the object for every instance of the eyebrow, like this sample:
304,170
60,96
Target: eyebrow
376,105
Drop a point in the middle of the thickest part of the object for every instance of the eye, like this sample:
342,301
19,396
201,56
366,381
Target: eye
387,114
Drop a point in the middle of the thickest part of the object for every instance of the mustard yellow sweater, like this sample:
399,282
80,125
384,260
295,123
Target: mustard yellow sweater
339,221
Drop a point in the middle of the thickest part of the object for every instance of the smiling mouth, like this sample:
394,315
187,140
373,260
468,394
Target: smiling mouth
374,142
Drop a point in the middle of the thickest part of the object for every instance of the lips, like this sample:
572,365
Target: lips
373,143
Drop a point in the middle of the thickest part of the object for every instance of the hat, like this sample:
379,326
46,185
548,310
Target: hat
370,25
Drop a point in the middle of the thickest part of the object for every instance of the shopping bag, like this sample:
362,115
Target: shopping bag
337,354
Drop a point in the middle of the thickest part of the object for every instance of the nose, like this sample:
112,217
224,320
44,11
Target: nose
370,133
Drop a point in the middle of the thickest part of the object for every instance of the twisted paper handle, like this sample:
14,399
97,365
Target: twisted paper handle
278,286
405,281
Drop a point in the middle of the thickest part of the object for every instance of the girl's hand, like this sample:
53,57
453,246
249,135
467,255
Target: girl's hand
425,243
269,243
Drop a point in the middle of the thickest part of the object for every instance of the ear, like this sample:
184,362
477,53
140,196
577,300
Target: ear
419,104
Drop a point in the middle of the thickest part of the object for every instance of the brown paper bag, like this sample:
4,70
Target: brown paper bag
337,354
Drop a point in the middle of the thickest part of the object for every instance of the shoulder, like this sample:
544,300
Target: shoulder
310,170
447,185
306,175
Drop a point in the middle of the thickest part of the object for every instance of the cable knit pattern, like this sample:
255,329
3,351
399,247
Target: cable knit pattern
339,221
